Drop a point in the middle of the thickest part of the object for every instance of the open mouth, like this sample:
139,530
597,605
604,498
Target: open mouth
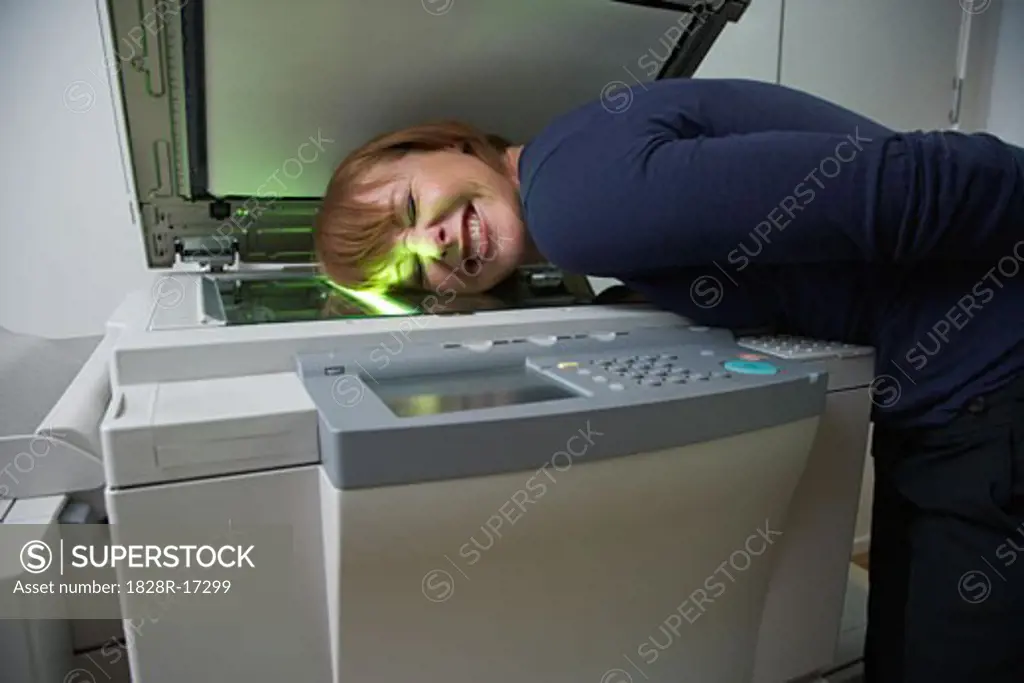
474,238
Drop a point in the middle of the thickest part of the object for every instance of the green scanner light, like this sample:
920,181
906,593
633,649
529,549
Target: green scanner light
378,303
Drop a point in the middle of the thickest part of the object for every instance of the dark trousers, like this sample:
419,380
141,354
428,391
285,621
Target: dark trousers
946,599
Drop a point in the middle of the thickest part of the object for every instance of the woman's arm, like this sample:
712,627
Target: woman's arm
624,197
745,302
733,106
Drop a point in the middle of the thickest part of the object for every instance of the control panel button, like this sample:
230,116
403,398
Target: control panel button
747,367
615,386
600,380
707,352
603,336
543,340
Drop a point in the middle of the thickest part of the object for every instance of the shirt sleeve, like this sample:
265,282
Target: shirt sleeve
621,200
721,107
704,296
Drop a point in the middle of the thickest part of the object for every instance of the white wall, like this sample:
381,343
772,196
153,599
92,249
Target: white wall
1006,106
68,249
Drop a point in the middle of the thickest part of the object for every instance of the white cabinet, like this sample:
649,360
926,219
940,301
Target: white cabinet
892,61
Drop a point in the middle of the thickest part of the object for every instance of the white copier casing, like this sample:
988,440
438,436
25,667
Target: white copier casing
192,409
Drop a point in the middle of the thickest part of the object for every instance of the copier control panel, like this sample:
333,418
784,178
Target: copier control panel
410,412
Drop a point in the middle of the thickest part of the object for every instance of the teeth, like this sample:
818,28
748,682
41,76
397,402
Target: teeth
474,233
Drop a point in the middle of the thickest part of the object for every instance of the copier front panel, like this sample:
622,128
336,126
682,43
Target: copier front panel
549,502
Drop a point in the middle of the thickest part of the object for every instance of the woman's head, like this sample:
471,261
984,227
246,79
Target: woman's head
434,207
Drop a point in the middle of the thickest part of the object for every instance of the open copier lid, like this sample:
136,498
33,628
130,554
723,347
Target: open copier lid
238,112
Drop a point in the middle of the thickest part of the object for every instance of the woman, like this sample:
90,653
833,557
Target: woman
741,204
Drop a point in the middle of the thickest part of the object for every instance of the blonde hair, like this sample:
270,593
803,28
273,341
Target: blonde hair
351,236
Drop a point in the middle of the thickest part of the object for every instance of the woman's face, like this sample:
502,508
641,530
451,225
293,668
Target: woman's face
463,227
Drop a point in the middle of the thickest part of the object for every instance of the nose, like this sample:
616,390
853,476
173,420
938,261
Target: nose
440,235
443,234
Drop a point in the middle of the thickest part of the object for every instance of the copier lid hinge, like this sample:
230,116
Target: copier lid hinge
212,252
707,20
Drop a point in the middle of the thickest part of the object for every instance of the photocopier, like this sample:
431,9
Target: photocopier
531,484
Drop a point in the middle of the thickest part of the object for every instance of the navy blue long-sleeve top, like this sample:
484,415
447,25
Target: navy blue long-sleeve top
744,204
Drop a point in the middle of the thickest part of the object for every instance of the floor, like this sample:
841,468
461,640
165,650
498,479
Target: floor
110,665
852,675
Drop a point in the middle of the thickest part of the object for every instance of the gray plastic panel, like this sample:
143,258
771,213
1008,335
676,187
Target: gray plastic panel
803,348
363,443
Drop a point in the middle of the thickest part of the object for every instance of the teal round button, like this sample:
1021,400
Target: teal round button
747,367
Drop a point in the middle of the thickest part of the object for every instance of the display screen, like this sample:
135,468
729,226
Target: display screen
456,391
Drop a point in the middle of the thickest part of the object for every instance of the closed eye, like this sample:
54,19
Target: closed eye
410,210
418,277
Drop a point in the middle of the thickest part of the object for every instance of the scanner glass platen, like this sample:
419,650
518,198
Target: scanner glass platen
251,299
